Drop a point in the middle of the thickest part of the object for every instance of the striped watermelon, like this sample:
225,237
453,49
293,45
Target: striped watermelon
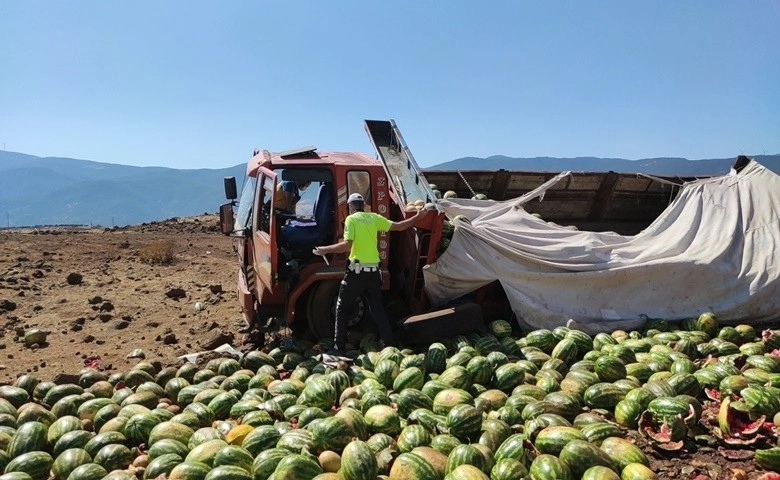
551,440
386,371
583,340
464,454
168,446
431,421
356,422
542,339
413,436
383,419
358,462
67,461
500,328
189,471
603,395
89,471
638,471
114,456
508,469
173,430
600,473
74,439
139,427
411,377
35,464
266,462
565,350
62,426
411,399
297,467
318,393
260,438
339,380
448,398
444,443
295,440
514,447
456,377
464,421
206,451
234,455
230,472
480,369
595,433
432,387
409,465
436,358
609,368
580,455
29,437
331,433
627,413
202,435
508,376
379,441
547,466
623,452
467,472
162,465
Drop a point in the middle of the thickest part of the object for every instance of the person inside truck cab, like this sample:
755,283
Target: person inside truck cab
363,275
287,195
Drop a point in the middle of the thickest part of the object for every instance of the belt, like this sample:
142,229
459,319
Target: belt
363,267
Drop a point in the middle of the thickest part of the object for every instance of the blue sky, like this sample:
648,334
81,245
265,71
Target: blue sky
194,84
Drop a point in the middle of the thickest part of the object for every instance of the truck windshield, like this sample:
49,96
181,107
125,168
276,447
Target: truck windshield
244,212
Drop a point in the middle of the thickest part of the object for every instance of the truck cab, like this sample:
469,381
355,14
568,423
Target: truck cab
279,276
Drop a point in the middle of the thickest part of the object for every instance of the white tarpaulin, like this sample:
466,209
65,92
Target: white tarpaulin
715,248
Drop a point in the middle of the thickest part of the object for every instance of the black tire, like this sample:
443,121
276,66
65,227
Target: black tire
321,310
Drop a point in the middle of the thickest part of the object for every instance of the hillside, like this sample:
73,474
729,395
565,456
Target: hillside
57,191
67,191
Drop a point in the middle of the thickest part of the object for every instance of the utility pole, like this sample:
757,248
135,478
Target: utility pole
8,215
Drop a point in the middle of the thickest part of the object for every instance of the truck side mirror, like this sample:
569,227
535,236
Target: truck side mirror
230,188
226,219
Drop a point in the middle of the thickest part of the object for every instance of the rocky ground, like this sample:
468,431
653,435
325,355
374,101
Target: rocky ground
103,304
99,300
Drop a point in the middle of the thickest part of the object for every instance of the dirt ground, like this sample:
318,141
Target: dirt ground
98,301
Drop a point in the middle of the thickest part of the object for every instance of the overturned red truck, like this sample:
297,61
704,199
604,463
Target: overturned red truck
596,233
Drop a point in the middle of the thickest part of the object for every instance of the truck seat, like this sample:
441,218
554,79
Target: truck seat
305,235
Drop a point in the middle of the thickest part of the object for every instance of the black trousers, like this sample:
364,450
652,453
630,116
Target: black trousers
352,287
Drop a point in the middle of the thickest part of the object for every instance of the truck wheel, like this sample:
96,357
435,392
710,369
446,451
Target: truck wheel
321,310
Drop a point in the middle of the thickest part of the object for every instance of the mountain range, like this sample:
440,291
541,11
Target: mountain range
38,191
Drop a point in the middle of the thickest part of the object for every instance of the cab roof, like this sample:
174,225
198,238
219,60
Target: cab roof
306,156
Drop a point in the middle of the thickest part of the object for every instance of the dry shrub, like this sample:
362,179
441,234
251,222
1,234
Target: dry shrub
161,252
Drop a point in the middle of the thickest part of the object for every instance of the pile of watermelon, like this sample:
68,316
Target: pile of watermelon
499,404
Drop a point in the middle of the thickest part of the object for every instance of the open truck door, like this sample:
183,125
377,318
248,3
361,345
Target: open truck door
265,254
